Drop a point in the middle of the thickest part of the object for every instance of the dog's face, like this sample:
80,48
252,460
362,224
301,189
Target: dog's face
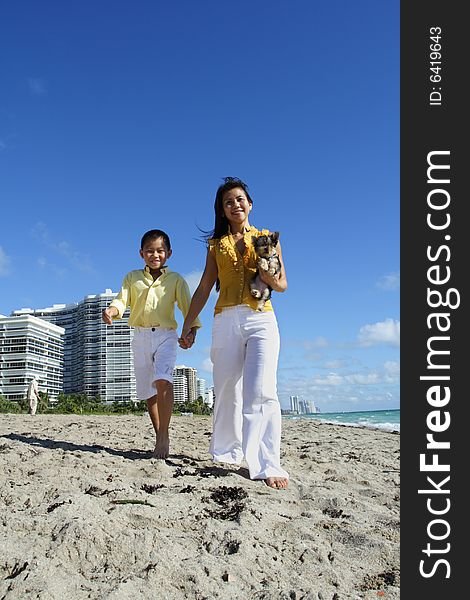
265,244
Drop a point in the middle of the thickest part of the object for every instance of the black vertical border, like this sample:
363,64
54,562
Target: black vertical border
425,128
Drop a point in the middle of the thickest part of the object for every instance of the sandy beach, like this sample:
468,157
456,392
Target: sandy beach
86,512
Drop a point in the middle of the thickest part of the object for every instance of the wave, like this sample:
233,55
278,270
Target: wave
363,423
368,419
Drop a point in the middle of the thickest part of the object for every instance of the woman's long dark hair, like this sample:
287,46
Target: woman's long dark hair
221,223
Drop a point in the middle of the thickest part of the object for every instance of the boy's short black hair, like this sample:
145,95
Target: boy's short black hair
154,234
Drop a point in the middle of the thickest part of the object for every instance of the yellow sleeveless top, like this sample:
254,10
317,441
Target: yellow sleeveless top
236,271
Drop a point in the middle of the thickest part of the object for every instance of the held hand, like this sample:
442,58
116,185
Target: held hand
182,343
186,341
188,337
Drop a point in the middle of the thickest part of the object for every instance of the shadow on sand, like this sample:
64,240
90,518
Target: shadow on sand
134,454
71,447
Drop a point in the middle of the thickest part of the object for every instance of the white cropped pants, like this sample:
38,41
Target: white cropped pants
154,350
247,414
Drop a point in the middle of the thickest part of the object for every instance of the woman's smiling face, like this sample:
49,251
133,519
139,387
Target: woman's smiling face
236,205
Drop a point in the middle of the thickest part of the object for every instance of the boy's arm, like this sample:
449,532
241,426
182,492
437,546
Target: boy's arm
116,308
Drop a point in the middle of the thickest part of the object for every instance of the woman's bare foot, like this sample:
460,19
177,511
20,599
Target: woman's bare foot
278,483
162,447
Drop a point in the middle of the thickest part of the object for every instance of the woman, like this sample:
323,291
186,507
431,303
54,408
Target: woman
245,341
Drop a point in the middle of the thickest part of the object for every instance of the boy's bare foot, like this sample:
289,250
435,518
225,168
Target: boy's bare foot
278,483
162,447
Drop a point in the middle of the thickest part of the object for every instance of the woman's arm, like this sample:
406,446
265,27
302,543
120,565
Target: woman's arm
199,299
277,282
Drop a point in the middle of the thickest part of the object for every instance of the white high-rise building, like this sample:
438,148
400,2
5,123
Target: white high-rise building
98,358
30,347
311,408
190,374
200,388
180,388
63,315
294,404
209,398
302,406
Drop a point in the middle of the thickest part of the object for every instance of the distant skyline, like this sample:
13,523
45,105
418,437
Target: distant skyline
118,118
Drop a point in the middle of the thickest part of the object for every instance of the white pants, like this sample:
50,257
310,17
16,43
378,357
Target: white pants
247,414
154,350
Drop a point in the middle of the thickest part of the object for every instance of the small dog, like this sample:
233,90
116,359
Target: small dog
268,260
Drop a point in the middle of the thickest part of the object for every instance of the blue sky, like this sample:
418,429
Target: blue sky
119,117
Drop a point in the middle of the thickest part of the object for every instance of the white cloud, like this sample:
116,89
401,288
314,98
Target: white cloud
334,364
389,282
384,332
4,263
369,389
388,373
391,371
75,258
392,367
330,379
341,397
207,365
318,342
363,378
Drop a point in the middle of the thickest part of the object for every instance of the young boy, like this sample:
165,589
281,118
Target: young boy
151,294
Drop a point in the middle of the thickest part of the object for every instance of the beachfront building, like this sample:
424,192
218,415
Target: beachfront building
97,358
30,347
311,408
294,404
180,388
200,388
299,406
189,374
63,315
209,397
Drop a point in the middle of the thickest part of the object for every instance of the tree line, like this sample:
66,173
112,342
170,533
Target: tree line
83,404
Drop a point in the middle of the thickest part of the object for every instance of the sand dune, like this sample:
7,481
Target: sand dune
87,513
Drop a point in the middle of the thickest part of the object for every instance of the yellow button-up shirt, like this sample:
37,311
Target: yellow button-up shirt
152,302
236,271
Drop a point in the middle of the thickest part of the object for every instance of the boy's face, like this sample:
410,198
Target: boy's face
155,254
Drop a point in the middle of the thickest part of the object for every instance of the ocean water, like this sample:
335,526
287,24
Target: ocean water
388,420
